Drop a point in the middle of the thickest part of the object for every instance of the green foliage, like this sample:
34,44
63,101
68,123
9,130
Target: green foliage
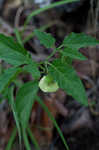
33,69
24,101
7,77
67,79
78,40
12,52
9,42
45,38
72,53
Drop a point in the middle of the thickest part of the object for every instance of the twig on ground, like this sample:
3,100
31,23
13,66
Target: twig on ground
17,17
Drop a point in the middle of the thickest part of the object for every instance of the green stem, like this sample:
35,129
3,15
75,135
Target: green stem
11,140
39,100
52,54
18,36
36,12
26,142
54,51
33,138
43,68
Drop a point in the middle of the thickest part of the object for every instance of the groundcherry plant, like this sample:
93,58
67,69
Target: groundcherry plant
48,75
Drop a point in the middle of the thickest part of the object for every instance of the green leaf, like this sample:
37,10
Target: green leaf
9,41
12,52
78,40
45,38
73,53
33,69
24,101
8,76
13,107
67,79
67,60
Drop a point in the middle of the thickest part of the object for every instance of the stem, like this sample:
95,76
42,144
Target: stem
36,12
43,68
46,66
11,140
33,138
18,36
54,51
26,142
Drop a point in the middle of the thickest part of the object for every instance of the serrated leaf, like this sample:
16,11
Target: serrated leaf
33,69
12,52
45,38
7,77
24,101
9,41
78,40
73,53
68,60
67,79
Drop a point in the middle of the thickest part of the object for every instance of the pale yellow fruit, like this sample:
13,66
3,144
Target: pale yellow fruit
47,84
